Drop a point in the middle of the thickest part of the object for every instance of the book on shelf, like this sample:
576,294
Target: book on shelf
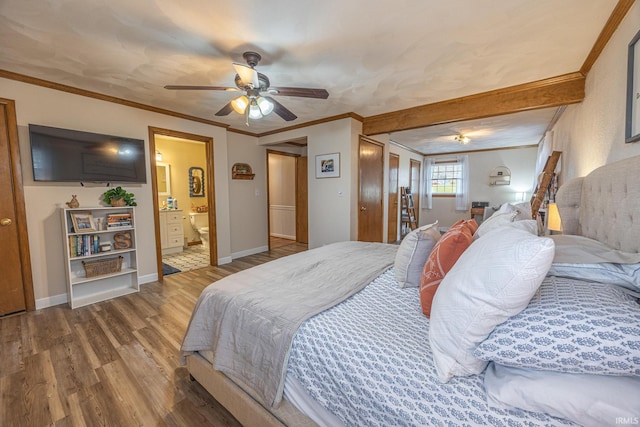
119,220
84,245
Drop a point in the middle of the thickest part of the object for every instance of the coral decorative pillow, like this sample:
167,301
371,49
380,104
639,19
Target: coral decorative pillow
442,258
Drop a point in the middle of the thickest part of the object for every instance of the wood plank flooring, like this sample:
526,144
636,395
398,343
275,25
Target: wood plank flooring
114,363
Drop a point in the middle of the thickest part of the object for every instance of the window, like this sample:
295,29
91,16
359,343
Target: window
446,177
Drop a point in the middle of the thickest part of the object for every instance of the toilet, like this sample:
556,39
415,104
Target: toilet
200,223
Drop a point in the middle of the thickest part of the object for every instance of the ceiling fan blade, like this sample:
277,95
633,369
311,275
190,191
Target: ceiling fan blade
181,87
281,110
301,92
224,111
247,74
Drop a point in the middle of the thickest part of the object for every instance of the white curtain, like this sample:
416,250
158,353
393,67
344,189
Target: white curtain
429,175
544,151
462,193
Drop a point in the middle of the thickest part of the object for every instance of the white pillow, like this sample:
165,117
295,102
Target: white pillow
523,209
529,225
493,280
413,253
498,219
589,400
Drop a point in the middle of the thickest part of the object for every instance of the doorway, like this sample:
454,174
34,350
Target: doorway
414,184
183,199
370,184
287,198
392,221
16,283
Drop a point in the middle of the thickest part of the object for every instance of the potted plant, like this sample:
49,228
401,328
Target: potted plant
119,197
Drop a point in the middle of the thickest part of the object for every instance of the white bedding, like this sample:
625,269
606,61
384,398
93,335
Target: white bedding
369,362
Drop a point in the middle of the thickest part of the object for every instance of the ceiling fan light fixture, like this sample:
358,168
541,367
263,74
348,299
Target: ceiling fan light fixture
254,110
240,104
462,139
266,106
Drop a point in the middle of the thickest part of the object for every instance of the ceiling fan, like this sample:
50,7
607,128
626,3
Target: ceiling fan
254,105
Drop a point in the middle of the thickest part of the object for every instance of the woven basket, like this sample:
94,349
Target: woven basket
118,202
104,266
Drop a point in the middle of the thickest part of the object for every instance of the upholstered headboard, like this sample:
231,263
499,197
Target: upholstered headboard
604,205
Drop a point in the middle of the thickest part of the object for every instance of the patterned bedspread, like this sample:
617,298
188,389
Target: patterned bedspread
368,361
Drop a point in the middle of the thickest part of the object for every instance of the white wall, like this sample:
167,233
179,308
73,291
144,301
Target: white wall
330,199
248,200
521,162
592,133
49,107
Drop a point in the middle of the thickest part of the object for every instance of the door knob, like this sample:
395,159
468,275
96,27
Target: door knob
5,221
362,208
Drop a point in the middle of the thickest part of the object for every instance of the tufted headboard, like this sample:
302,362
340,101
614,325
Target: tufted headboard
604,205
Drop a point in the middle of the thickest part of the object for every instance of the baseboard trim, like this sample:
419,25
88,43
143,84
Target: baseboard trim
224,260
283,236
51,301
63,299
249,252
147,278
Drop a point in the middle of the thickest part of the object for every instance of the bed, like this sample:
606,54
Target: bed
513,336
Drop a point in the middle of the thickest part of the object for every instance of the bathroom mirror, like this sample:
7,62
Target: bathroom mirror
164,179
196,182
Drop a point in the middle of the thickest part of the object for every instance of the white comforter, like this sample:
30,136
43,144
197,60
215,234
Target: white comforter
248,320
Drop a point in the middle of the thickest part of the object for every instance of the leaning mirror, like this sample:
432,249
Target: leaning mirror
164,179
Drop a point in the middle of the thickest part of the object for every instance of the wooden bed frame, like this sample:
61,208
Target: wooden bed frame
241,402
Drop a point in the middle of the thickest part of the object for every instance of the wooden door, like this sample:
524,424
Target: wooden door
414,184
392,223
302,204
16,286
370,208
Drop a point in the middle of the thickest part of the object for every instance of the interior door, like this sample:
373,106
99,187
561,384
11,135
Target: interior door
392,222
370,208
414,183
302,203
16,286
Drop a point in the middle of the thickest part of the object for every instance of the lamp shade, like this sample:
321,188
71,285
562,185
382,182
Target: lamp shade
554,222
240,104
265,105
254,110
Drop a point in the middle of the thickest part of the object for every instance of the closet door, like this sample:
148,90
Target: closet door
371,170
16,287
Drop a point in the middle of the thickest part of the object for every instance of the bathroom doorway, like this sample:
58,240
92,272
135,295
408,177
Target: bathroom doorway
184,207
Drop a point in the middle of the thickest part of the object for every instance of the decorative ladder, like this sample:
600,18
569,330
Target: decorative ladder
543,182
408,220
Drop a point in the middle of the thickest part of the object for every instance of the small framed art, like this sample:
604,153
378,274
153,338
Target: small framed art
328,165
82,222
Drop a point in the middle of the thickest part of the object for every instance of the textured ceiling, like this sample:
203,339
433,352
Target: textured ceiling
372,56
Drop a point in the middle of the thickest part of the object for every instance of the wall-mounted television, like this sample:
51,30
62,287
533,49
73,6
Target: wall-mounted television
64,155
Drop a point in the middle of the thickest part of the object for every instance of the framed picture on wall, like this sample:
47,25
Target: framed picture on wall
632,127
328,165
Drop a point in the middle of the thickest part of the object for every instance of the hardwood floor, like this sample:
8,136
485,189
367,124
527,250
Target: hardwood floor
114,363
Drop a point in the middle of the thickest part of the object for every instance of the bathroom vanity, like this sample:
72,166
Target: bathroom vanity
171,231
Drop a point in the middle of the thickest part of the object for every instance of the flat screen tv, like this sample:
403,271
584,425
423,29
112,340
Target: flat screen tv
63,155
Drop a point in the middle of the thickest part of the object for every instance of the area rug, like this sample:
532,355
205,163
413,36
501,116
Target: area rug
167,269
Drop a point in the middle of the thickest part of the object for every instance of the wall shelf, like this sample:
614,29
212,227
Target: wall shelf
500,175
242,171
